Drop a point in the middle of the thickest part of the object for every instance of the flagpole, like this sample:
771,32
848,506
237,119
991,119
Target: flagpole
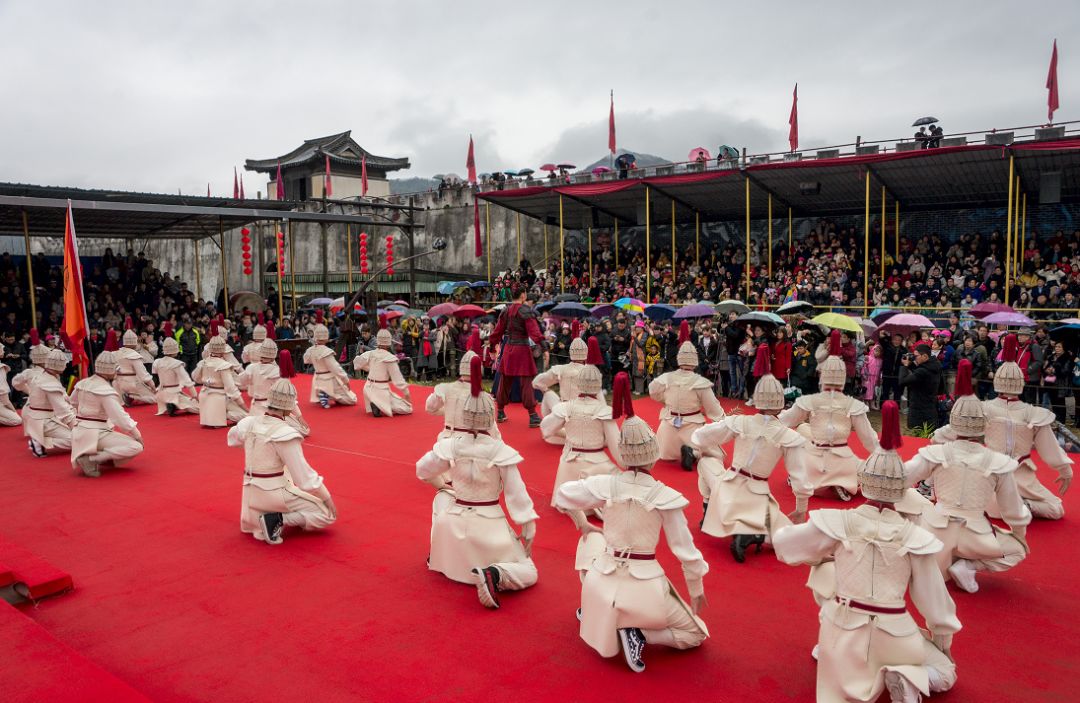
279,242
198,272
348,241
292,268
224,268
648,249
30,271
562,250
487,221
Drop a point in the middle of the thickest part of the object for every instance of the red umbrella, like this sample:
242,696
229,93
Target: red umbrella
443,309
549,167
983,309
469,311
392,315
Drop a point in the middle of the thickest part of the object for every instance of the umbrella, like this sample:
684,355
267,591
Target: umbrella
906,322
1009,319
837,321
688,312
698,152
549,167
760,318
981,310
630,305
468,311
391,314
399,308
461,284
479,284
339,304
924,120
600,169
567,166
567,298
453,177
544,306
385,303
570,309
323,301
603,310
795,307
526,172
511,173
625,160
445,287
659,312
727,152
869,327
731,305
1071,321
442,309
1068,334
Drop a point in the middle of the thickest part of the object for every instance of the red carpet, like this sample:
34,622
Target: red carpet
172,600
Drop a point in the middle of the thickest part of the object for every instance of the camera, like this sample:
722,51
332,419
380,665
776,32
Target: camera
909,357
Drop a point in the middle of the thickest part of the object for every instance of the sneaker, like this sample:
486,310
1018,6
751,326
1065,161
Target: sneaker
35,448
925,490
487,589
272,524
88,467
324,399
534,420
900,689
579,614
688,458
750,403
633,646
375,411
501,416
964,576
171,409
841,493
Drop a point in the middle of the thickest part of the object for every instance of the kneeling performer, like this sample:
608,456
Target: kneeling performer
471,540
280,487
220,402
99,413
383,371
173,381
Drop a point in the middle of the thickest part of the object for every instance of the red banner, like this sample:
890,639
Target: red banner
1052,85
76,326
793,121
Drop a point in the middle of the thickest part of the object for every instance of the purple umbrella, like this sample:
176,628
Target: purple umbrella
696,310
1009,319
905,322
983,309
603,310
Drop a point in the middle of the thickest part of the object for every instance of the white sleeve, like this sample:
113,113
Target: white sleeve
362,362
552,423
435,402
795,464
197,374
793,416
243,379
116,413
183,377
518,502
713,435
430,466
865,432
305,477
63,411
238,433
1049,450
917,468
396,378
231,391
1014,511
544,381
611,436
141,373
931,597
657,389
575,495
710,405
681,542
803,544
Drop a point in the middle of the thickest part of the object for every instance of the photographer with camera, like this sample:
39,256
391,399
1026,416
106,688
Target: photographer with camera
920,374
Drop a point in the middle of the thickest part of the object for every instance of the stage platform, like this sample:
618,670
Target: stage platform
172,602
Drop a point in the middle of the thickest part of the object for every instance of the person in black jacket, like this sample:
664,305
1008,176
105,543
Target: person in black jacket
921,377
892,352
734,336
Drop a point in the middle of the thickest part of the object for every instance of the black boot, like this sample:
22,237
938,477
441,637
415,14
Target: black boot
688,457
375,411
272,524
704,512
534,420
502,416
738,547
171,409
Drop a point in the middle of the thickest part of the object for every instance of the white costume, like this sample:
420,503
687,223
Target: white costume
48,416
220,402
175,386
99,414
566,376
8,416
280,487
826,419
259,377
688,398
330,378
250,354
132,381
383,372
446,399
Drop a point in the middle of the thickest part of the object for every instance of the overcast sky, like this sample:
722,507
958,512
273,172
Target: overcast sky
160,96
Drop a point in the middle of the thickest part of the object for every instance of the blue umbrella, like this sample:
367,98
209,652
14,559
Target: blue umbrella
320,301
445,287
569,309
696,310
479,284
659,311
461,284
544,306
511,173
877,312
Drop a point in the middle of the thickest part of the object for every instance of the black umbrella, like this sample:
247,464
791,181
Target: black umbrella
1069,335
924,120
625,160
567,298
570,309
544,306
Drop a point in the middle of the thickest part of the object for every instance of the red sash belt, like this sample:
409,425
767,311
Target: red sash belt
275,475
175,385
118,373
698,412
830,446
372,380
1024,458
475,503
632,555
41,410
871,608
461,429
586,451
747,474
217,388
90,419
321,372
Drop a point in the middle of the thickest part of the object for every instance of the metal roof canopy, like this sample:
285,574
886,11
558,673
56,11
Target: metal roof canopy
930,179
103,214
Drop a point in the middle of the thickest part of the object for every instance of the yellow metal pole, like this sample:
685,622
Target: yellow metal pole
487,221
29,271
616,245
789,232
547,262
866,251
746,267
348,244
882,252
292,268
1018,259
279,242
1023,228
896,232
770,235
224,268
519,237
198,273
697,238
648,250
590,254
1008,230
673,240
562,250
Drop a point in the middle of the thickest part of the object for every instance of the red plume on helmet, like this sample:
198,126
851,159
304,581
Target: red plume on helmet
261,317
890,425
382,322
476,376
622,404
166,328
595,357
285,364
128,323
762,362
35,336
111,341
1009,347
475,345
213,327
319,316
834,343
963,379
684,332
575,330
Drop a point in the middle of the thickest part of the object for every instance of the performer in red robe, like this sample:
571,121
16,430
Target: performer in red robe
518,324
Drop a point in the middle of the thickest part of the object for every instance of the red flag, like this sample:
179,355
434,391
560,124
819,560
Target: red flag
241,186
476,228
470,162
280,184
329,187
75,326
235,185
363,175
611,125
208,190
793,121
1052,85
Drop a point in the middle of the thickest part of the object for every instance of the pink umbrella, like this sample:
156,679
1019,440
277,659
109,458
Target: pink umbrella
469,311
549,167
600,169
906,322
983,309
1009,319
698,153
392,315
443,309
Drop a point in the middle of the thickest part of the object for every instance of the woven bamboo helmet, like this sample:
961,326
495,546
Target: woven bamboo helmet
258,333
282,395
383,339
130,338
1009,377
832,371
478,411
268,350
967,417
58,361
687,355
881,475
320,334
217,346
465,365
38,354
589,380
105,364
170,347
